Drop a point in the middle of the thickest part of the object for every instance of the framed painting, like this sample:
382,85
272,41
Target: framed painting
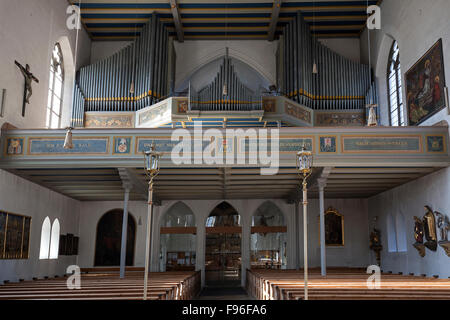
425,86
334,228
14,236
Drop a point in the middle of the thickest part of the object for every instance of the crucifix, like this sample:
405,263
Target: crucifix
29,78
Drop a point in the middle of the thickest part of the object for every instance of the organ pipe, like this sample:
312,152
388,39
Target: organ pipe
105,85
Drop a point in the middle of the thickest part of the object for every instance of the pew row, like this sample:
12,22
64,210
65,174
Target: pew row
350,284
105,284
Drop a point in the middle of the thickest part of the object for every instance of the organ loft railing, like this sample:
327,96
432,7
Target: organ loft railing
225,93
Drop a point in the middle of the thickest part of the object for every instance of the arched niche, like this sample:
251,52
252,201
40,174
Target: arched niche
204,75
223,258
109,239
268,238
178,239
69,76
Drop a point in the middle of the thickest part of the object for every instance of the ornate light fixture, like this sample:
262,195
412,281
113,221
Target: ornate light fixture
304,167
68,144
151,167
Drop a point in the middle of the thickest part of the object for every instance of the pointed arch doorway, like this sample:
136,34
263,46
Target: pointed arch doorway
223,247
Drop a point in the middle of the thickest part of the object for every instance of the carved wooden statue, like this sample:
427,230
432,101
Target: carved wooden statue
29,78
429,223
375,244
418,236
443,224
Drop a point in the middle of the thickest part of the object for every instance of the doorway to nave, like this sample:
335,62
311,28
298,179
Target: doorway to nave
223,247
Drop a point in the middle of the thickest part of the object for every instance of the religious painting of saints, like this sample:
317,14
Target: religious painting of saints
14,146
334,228
328,144
122,145
425,85
2,233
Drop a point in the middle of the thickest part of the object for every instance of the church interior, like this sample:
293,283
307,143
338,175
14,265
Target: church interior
221,149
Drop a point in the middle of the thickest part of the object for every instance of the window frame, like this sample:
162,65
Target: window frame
51,89
401,119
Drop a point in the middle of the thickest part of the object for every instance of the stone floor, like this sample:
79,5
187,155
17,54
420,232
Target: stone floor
223,293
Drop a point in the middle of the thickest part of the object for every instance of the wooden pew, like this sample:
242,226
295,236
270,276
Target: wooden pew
105,283
344,284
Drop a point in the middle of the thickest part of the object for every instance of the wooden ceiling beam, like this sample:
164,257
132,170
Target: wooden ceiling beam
274,19
177,20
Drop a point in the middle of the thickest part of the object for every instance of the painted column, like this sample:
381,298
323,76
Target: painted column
246,224
296,237
299,227
323,262
123,248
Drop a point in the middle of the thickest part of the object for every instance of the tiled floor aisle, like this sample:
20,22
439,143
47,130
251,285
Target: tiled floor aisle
214,293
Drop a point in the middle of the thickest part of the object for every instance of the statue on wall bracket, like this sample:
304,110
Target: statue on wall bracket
375,244
443,224
418,236
429,223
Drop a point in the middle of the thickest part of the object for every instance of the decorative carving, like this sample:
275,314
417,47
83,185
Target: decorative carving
297,112
429,223
269,105
418,235
421,248
446,246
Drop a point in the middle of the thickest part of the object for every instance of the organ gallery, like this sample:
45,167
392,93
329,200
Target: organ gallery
224,150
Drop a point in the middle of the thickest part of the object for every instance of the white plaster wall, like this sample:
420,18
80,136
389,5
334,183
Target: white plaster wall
346,47
193,54
28,33
354,254
409,199
22,197
416,25
103,49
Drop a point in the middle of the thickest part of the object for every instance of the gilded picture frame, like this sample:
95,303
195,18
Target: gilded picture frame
334,228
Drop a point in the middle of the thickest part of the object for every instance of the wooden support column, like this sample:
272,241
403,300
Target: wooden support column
123,248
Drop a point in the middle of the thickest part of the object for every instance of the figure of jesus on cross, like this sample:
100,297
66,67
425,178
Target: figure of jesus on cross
29,78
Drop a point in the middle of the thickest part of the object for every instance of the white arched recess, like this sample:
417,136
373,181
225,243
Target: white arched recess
193,55
203,208
380,68
69,76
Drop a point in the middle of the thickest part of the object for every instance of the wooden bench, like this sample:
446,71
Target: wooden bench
342,284
105,284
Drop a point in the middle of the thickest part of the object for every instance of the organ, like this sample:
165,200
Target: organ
138,76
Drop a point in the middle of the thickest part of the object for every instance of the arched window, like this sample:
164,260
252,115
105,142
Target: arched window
55,89
45,239
391,233
268,239
178,239
394,79
54,241
401,233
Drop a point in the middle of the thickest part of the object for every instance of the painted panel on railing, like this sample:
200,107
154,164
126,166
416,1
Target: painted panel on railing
339,119
54,146
436,144
109,120
382,144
